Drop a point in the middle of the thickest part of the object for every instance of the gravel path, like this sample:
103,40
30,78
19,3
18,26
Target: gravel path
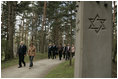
39,70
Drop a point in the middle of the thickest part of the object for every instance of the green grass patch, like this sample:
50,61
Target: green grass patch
63,70
14,61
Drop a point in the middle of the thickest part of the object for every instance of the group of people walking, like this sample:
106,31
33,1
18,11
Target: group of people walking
53,50
63,51
22,53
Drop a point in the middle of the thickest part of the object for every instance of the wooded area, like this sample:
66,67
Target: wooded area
48,22
42,22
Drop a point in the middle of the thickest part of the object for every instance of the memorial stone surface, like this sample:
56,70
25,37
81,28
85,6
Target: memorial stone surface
93,54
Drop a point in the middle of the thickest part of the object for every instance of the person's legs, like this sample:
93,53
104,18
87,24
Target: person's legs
68,55
73,54
32,60
64,55
20,65
23,60
48,55
53,55
61,54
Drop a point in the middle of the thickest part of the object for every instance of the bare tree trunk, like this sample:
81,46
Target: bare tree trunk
11,20
71,41
26,37
14,3
36,42
22,28
2,26
7,55
71,44
43,23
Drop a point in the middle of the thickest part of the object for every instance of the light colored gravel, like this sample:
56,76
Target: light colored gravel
39,69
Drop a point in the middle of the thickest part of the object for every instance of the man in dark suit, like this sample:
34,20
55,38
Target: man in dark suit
49,51
21,53
60,49
64,51
54,51
68,52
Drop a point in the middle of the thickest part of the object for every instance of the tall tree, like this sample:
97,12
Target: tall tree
43,25
11,25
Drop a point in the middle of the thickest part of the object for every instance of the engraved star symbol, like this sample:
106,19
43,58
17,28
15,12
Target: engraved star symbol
97,23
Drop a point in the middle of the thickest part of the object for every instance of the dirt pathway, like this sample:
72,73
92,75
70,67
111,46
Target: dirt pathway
39,69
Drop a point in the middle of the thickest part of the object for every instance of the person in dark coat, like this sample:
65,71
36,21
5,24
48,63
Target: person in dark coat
49,51
54,51
64,51
68,52
21,53
60,49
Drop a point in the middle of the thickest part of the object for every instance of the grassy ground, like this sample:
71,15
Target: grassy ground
63,70
15,60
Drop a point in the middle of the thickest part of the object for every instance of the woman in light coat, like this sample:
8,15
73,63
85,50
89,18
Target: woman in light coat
73,50
31,53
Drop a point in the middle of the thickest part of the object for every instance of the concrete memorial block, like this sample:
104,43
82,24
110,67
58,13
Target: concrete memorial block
93,54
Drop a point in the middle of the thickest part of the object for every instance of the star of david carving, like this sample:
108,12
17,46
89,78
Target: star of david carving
97,23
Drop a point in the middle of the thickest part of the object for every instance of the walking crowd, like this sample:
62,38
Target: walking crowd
53,50
62,51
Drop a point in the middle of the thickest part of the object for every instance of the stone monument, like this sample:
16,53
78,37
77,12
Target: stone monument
93,54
